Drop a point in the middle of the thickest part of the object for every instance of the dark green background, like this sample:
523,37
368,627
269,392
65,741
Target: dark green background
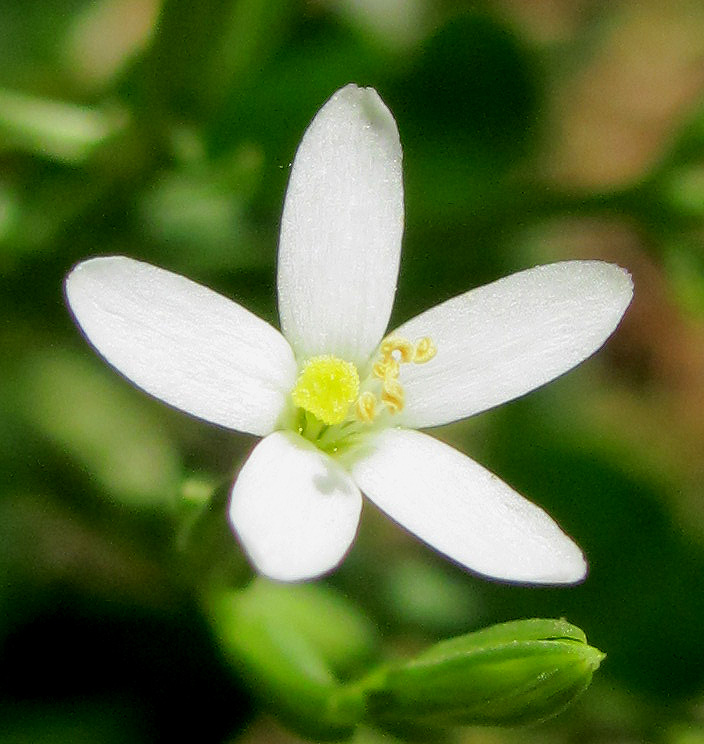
532,132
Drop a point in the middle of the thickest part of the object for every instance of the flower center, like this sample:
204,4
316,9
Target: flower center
335,409
327,387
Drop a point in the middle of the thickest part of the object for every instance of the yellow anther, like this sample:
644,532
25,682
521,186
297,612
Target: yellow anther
379,369
326,387
384,368
386,347
396,343
425,350
392,395
366,407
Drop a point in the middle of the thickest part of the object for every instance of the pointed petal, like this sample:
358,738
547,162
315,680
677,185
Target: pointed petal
183,343
294,508
464,511
341,229
500,341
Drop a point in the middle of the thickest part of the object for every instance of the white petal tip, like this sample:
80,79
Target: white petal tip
620,281
294,510
557,560
278,572
81,270
370,107
573,570
606,287
560,563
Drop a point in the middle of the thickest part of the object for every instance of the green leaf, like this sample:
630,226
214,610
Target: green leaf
512,673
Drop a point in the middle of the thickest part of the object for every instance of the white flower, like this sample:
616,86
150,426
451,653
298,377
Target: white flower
337,407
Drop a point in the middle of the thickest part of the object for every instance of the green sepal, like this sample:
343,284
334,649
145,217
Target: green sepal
513,673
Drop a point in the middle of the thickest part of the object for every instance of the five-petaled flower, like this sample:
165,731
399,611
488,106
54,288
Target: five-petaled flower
336,402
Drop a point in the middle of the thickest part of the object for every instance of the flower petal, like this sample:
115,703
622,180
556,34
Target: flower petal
502,340
464,511
294,508
183,343
341,229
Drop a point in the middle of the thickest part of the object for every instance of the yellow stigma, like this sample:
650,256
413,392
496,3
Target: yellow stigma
327,387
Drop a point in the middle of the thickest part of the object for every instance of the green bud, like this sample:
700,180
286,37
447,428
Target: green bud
517,672
298,648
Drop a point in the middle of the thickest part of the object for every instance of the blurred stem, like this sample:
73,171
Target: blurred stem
57,130
195,501
252,29
201,56
281,664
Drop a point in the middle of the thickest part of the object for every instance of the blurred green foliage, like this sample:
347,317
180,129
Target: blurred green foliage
531,132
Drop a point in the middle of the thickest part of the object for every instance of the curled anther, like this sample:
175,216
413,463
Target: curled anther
425,350
366,407
385,368
395,343
392,395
